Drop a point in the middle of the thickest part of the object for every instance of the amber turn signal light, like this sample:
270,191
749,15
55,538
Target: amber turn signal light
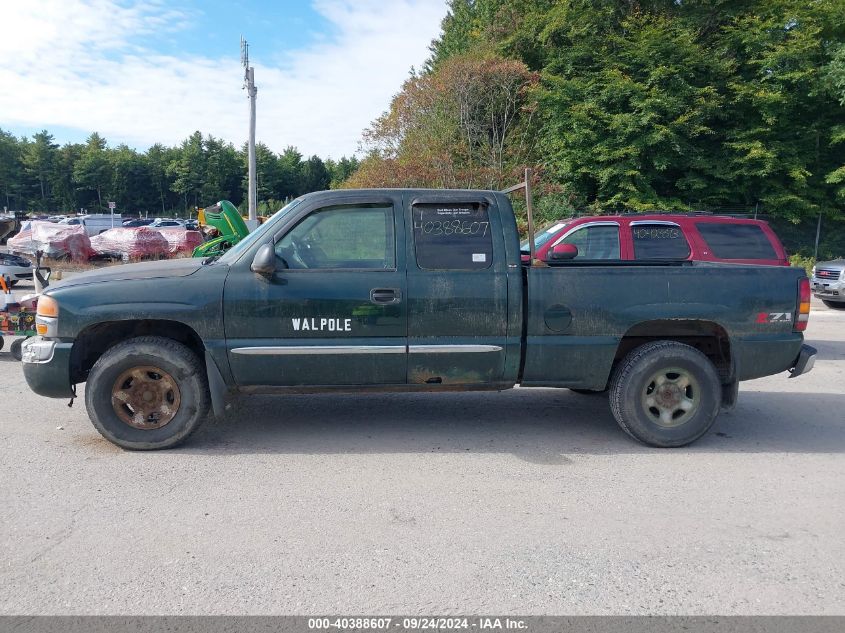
47,306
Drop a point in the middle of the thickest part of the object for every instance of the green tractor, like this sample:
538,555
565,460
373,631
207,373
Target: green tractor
231,228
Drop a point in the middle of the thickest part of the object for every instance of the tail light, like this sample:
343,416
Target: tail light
802,315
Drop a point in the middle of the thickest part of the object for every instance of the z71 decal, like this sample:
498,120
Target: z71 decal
774,317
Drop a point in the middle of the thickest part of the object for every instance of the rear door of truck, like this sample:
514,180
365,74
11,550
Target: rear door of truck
457,289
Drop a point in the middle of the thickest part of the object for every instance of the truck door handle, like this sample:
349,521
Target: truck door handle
385,295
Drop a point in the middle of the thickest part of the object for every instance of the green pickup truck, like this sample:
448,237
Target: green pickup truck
411,290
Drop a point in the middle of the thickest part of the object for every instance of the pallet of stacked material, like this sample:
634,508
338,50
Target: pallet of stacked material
55,241
138,242
181,241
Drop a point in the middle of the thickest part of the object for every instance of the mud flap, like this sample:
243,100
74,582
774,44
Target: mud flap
216,387
730,394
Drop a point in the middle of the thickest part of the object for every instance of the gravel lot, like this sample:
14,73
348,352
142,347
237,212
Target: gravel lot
528,502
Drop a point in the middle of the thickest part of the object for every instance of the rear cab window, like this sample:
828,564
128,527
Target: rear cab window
659,240
727,240
452,236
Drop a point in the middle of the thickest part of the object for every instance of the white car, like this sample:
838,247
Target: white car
15,268
828,281
95,224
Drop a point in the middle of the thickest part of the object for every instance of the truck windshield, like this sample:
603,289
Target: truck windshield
235,252
546,232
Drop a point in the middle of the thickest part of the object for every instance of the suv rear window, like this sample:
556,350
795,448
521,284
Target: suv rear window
659,241
736,241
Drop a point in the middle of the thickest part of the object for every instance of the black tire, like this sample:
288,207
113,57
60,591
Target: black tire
150,356
2,341
690,403
588,392
16,349
836,305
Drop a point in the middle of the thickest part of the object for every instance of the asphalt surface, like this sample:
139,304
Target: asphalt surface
524,502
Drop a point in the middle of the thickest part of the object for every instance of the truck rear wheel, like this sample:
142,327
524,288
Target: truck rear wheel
146,393
665,394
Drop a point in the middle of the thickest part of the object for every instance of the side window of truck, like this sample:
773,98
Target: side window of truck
659,241
595,242
350,237
452,236
736,241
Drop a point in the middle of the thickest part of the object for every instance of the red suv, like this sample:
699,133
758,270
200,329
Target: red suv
649,236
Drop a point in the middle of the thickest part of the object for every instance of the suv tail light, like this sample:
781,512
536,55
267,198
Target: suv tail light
802,315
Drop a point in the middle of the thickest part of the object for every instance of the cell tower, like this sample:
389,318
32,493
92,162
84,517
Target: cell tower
252,92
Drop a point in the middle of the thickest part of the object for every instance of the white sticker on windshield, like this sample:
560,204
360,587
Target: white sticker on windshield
556,228
479,257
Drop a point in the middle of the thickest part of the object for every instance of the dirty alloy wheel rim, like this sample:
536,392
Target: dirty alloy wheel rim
145,397
671,397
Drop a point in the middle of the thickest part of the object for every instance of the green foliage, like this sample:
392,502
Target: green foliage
92,171
467,124
38,175
38,157
800,237
661,104
801,261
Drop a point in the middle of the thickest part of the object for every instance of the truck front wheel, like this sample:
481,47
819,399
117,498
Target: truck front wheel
665,394
146,393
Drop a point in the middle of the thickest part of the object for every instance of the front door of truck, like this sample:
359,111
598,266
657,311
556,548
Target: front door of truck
457,291
335,311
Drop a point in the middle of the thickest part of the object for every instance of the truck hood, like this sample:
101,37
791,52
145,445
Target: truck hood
145,270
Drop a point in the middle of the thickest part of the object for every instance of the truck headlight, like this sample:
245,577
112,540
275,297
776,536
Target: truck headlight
47,316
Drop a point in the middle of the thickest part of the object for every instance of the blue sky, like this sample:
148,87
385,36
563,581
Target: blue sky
155,71
216,25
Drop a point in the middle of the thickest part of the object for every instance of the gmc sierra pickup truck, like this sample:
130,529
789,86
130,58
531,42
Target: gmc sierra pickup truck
411,290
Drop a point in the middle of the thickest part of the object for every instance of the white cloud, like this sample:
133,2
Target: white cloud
83,64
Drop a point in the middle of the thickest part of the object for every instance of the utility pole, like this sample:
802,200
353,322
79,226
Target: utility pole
252,91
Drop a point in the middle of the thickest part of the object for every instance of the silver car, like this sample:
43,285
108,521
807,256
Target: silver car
15,268
829,283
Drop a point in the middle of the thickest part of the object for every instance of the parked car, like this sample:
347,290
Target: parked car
654,236
829,283
15,268
417,290
136,222
161,223
95,224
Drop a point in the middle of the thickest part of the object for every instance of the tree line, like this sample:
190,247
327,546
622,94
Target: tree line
37,174
628,105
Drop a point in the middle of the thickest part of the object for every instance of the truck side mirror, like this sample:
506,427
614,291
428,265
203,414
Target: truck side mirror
564,251
264,262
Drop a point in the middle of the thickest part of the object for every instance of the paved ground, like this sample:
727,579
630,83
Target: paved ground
530,501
